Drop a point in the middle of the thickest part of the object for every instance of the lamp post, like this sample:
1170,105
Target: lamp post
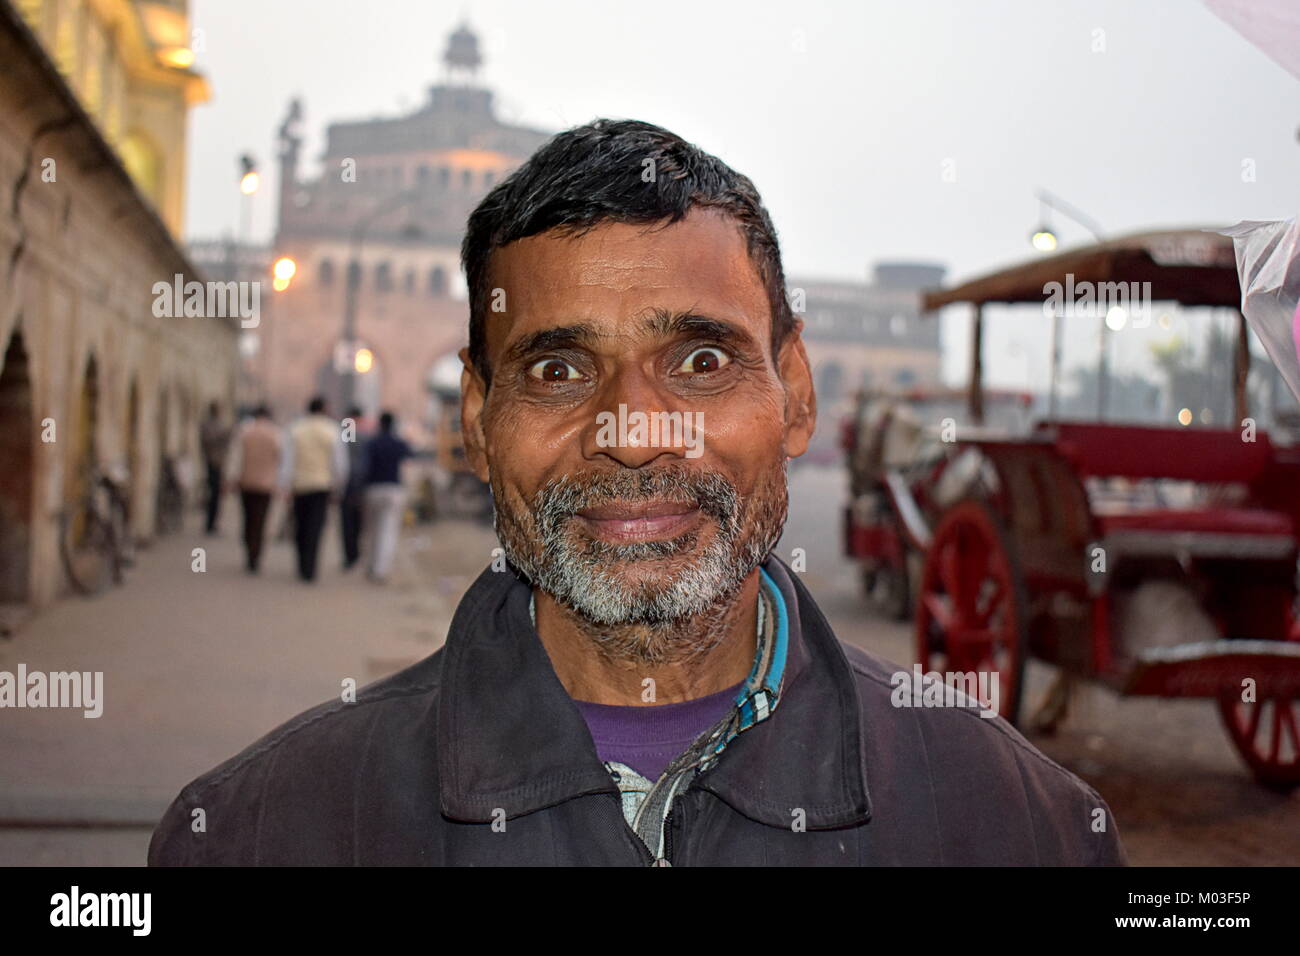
249,181
1043,238
348,369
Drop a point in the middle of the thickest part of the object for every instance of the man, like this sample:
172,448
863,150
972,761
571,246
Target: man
315,467
353,499
214,438
646,683
253,469
385,496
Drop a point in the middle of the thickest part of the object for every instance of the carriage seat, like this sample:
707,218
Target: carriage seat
1238,533
1207,456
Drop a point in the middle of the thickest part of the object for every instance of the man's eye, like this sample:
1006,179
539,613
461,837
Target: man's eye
705,360
554,370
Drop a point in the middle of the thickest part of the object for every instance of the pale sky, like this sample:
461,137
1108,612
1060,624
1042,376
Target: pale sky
845,114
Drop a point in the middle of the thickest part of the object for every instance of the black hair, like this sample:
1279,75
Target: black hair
386,421
317,404
596,173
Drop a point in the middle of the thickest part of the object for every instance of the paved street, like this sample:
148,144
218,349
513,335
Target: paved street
197,666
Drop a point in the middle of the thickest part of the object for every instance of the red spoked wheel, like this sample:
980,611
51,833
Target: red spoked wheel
970,614
1267,735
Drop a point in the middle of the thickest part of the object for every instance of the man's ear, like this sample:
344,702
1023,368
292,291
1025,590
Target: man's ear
800,398
473,393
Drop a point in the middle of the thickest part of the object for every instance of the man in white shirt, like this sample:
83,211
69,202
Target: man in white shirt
315,468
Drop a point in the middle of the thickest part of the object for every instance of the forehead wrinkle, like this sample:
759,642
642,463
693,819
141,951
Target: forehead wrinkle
612,272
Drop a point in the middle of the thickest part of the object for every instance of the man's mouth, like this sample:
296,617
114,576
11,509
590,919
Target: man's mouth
622,522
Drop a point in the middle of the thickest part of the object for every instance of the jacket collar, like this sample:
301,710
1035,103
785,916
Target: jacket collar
510,738
810,753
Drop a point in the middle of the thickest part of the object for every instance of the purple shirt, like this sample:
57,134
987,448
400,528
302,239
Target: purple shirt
647,739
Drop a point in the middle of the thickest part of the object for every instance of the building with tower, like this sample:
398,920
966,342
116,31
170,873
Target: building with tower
377,298
377,309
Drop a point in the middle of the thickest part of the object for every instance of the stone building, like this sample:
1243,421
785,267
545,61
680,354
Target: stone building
128,62
384,218
89,375
867,335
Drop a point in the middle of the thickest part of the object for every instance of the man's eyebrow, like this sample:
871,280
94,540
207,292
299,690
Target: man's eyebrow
664,323
660,322
548,340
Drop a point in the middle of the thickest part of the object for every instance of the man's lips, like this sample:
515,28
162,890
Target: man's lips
639,520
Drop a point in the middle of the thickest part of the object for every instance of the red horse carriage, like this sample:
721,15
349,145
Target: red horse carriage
1157,560
902,474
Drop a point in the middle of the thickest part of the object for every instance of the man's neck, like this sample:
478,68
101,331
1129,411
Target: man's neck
725,638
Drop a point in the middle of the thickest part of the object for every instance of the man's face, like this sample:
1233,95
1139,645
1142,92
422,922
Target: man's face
624,521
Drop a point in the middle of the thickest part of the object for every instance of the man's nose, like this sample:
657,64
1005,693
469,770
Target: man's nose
636,422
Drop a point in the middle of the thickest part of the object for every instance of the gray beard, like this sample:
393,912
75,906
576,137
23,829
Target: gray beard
678,615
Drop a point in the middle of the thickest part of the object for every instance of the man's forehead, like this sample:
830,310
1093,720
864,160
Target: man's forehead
616,275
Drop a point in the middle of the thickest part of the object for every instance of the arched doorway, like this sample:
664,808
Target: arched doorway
17,451
85,447
84,460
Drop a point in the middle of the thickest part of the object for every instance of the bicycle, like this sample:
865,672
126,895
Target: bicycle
95,536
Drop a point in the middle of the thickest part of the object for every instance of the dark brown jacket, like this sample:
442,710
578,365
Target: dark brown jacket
416,770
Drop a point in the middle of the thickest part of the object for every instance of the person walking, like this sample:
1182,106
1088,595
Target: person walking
315,467
253,469
214,438
385,496
353,500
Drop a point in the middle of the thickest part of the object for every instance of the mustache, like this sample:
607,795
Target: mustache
561,498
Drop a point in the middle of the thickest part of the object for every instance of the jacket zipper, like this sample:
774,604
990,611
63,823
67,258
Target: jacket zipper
667,858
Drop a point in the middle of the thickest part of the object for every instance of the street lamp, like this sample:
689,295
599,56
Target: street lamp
1043,239
282,272
249,178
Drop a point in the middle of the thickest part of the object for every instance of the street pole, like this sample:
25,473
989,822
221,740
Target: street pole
1103,371
352,291
352,281
1103,364
1054,385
